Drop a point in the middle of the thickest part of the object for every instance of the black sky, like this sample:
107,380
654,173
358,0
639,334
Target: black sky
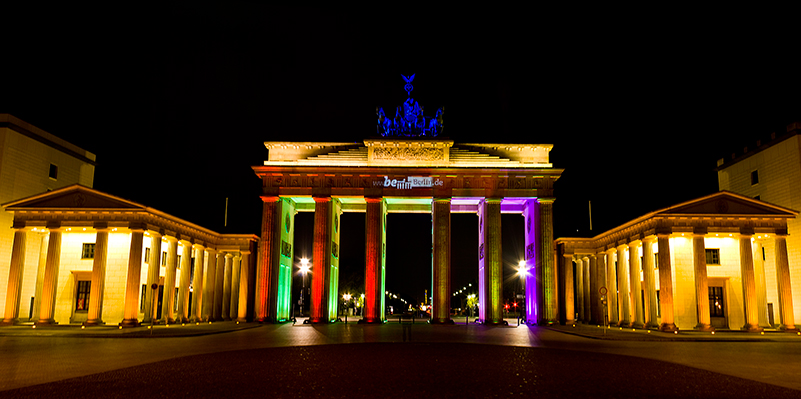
176,100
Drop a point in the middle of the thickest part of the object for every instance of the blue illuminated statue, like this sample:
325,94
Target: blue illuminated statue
409,120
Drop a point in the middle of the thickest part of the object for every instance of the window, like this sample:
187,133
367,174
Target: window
754,177
53,172
147,255
142,298
712,256
82,296
716,302
88,251
164,258
763,254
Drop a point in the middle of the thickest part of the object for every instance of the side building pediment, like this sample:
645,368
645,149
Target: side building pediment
72,197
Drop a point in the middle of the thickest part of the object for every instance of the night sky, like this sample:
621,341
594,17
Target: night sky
176,102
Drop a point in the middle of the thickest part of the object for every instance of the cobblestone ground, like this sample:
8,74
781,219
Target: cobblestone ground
406,370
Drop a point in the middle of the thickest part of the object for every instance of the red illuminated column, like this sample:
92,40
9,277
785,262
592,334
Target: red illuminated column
132,286
650,285
374,261
15,276
701,283
153,271
665,282
441,220
491,262
321,266
197,284
98,277
783,279
183,284
749,284
168,300
266,271
50,281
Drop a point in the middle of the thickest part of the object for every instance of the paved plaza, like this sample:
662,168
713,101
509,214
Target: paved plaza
394,360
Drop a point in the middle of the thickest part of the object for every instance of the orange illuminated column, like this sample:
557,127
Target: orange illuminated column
15,275
665,282
168,300
611,286
623,287
197,284
600,279
227,281
490,262
594,297
545,264
749,284
244,277
650,285
98,277
325,263
208,285
132,285
235,274
441,220
153,271
578,274
219,276
375,260
183,284
585,275
567,288
635,285
783,278
50,281
701,284
266,273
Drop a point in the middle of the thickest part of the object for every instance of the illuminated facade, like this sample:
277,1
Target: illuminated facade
400,175
33,161
83,256
713,262
771,171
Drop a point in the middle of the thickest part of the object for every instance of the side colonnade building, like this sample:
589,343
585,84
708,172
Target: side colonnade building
390,175
83,256
720,261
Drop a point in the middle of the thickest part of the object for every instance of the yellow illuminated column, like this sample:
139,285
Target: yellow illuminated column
197,284
233,312
635,285
579,276
491,261
594,297
153,271
208,284
749,284
219,276
183,284
611,286
441,218
665,282
586,282
623,296
132,285
227,281
50,281
168,298
701,284
244,276
15,274
761,285
650,285
37,296
98,277
784,287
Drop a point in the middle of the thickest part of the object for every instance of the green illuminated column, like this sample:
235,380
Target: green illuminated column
490,262
285,258
441,221
375,260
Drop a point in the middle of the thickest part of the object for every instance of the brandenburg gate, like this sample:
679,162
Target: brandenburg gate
404,175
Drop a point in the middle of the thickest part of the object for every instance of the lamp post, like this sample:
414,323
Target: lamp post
304,269
347,300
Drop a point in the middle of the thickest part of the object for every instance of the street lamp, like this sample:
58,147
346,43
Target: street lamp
347,299
522,271
304,269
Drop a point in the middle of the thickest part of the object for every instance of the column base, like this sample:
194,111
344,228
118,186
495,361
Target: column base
636,324
624,323
130,323
441,321
320,321
495,323
241,320
704,327
50,322
752,328
8,322
651,326
668,327
791,329
92,323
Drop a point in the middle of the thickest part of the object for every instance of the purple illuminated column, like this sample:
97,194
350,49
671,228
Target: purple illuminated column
533,285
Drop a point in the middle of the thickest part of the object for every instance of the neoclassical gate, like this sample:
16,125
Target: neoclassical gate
392,175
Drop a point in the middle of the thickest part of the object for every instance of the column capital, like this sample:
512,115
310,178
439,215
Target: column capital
170,238
270,198
373,200
228,254
546,200
700,231
649,239
18,225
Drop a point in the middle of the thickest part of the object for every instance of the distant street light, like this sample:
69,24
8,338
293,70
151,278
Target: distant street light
305,267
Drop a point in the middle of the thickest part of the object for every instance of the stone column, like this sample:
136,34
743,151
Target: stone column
784,287
233,311
594,297
15,273
131,317
585,273
650,285
665,283
490,262
153,271
701,284
570,310
37,296
50,282
579,276
441,220
546,268
749,284
611,278
600,278
183,284
168,299
761,284
95,316
623,296
266,271
244,276
208,285
226,291
320,267
197,284
635,285
219,277
374,261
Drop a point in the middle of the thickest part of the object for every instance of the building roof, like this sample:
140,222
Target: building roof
793,130
26,129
